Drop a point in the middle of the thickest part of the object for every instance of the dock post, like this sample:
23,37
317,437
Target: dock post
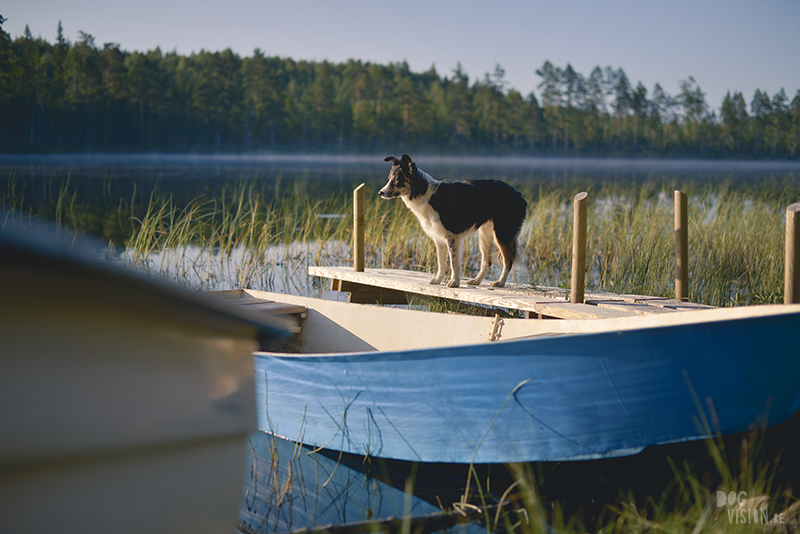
576,290
681,248
358,228
791,278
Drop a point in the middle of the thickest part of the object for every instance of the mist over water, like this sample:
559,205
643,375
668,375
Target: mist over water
105,177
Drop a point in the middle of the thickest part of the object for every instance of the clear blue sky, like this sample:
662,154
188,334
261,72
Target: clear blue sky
736,45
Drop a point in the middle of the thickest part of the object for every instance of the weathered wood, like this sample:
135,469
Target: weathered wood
570,310
576,290
534,302
791,284
633,307
681,248
510,297
358,228
370,294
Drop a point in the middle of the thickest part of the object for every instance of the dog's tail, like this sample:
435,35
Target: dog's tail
508,227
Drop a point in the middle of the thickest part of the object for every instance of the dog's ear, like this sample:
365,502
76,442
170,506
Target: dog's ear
409,167
393,159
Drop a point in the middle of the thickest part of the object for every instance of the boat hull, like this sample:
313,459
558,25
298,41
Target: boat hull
568,397
126,401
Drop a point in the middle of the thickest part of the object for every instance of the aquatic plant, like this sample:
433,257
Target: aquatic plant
735,238
249,237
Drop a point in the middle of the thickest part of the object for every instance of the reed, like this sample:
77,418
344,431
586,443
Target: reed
689,504
250,237
735,238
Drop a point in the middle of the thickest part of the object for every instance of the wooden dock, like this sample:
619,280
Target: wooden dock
391,286
290,316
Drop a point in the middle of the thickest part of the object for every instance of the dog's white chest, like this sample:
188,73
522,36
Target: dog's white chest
428,217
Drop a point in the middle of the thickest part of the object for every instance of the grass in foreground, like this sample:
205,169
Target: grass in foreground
690,503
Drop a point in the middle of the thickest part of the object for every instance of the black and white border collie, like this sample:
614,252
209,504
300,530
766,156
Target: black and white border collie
451,211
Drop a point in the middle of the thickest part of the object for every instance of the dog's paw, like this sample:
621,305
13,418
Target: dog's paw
453,283
498,283
435,280
473,282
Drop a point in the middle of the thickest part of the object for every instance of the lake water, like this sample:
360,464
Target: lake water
289,487
100,178
110,189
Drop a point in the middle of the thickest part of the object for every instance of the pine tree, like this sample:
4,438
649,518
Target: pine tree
693,101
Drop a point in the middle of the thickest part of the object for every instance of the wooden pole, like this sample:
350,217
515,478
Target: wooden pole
358,228
681,248
791,278
578,248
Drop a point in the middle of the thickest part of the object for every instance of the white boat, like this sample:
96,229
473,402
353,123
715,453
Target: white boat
125,402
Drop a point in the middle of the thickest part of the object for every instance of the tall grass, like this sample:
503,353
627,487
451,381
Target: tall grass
247,237
240,238
735,238
689,504
735,241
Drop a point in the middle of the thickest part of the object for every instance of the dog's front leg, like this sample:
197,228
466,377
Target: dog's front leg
453,248
441,258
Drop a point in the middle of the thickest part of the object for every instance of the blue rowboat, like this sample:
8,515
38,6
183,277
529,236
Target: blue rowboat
611,391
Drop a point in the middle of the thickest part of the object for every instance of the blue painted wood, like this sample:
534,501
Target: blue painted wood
570,397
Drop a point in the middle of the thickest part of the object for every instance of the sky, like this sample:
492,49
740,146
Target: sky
726,45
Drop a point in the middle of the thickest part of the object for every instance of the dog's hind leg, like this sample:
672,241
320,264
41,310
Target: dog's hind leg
508,250
454,249
485,244
441,258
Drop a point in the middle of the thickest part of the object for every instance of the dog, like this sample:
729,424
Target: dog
451,211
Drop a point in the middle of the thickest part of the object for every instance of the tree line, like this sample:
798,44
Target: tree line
78,96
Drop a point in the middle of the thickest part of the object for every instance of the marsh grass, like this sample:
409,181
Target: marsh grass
248,237
735,238
687,505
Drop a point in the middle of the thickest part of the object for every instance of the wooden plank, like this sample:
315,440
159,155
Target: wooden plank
569,310
510,298
534,301
415,282
637,308
672,304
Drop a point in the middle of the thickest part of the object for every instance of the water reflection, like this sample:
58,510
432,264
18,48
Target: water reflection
289,487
